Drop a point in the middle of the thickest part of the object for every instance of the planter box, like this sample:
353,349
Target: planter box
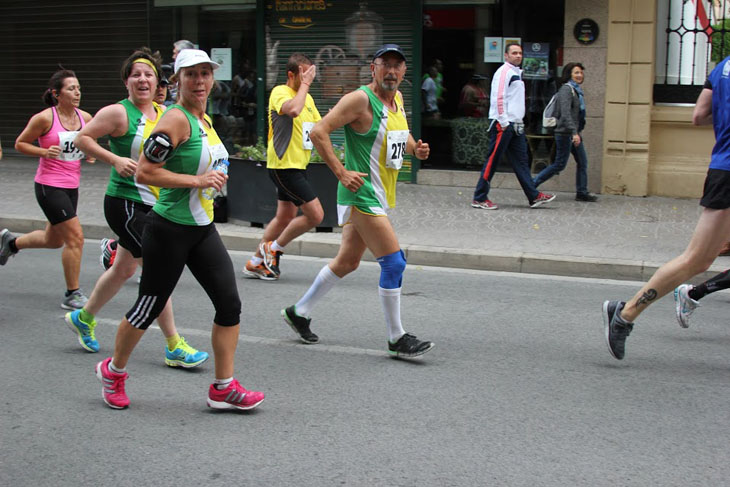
252,194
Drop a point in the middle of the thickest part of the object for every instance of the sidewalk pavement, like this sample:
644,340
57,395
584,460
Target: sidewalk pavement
618,237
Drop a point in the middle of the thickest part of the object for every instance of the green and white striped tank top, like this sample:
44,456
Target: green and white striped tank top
379,153
131,145
198,154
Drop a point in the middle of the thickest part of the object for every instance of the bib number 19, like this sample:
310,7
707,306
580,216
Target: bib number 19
69,151
68,147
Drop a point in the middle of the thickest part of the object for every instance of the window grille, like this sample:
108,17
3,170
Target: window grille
692,37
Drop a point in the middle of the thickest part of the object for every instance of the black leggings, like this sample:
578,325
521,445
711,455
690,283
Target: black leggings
720,281
167,247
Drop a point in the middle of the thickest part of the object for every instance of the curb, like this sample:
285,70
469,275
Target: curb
315,245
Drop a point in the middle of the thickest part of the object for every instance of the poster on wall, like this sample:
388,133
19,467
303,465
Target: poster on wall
535,60
224,57
511,40
493,50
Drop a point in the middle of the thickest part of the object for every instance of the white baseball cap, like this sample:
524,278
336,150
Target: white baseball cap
191,57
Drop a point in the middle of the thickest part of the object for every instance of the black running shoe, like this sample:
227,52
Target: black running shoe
409,346
616,332
588,197
299,324
271,257
275,263
108,252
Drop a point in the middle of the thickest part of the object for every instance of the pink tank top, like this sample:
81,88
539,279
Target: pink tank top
64,171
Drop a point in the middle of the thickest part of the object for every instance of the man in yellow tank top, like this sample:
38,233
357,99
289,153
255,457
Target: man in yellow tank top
374,152
292,114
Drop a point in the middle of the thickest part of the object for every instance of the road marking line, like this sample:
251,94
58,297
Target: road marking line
273,342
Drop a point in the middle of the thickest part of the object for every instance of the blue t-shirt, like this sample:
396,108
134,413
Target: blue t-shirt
719,78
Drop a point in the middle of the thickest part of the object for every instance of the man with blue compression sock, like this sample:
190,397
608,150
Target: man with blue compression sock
376,139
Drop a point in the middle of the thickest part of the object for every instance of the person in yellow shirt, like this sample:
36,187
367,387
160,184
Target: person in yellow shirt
292,114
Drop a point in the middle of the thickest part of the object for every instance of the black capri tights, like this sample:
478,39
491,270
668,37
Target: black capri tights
167,247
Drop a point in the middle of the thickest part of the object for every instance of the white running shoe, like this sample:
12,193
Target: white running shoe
684,305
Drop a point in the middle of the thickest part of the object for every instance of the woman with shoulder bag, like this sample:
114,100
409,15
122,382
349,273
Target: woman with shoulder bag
568,138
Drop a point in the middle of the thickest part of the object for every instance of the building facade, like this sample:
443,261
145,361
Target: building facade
643,73
656,62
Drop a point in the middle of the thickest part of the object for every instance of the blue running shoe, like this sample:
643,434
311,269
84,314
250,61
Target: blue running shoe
85,331
184,356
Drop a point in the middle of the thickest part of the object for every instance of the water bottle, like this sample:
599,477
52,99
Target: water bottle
222,166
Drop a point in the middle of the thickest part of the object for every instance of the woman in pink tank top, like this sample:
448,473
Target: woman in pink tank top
56,181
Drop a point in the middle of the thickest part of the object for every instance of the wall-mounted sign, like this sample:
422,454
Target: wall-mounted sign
493,50
511,40
535,58
298,14
586,31
224,57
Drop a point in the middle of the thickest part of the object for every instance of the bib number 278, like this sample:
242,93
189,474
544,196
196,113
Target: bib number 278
397,140
398,150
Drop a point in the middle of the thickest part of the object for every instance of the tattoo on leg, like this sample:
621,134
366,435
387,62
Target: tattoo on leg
647,297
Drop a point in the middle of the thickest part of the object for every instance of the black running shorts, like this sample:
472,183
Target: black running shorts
58,204
292,185
127,219
716,194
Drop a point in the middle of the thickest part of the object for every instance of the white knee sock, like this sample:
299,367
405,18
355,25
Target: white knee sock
325,280
390,300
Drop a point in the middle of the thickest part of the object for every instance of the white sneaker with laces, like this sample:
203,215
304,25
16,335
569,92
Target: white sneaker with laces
75,300
684,305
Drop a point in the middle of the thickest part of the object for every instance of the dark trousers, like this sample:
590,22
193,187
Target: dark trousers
507,141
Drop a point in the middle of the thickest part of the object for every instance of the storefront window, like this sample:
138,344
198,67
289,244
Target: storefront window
462,48
228,34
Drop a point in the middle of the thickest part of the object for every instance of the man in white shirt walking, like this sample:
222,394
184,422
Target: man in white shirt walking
507,132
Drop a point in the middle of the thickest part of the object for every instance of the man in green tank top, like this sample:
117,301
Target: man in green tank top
377,138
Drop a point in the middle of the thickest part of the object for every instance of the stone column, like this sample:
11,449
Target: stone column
629,85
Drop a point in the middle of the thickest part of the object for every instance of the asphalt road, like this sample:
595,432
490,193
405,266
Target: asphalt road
520,389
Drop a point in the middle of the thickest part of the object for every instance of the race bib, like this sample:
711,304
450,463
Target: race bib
396,141
306,141
69,152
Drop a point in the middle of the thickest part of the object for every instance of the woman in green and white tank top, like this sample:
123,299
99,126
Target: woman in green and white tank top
128,123
180,157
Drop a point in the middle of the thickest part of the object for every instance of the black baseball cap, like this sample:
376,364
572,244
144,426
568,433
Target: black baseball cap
385,48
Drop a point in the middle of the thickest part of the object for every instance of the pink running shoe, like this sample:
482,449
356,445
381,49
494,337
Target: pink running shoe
541,199
234,397
484,205
112,385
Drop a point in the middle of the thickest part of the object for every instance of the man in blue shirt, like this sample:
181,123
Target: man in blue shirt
713,227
